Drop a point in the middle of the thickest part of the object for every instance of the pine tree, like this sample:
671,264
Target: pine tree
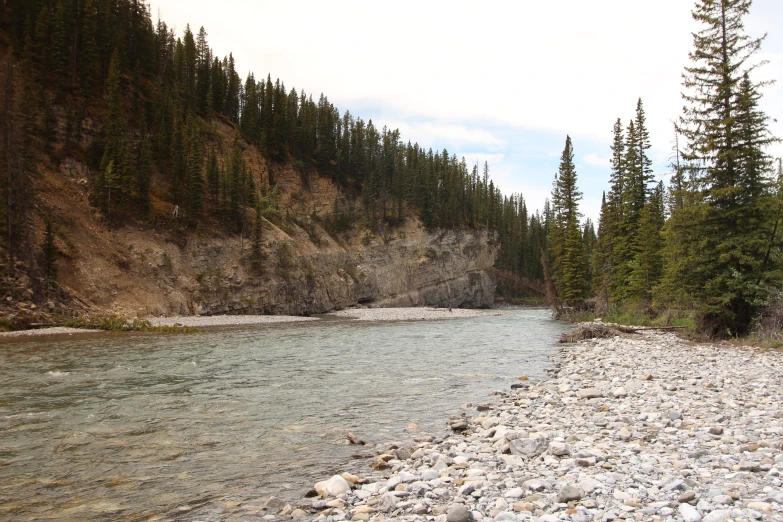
111,184
602,256
716,247
648,262
89,65
49,254
256,247
568,270
213,178
143,173
194,175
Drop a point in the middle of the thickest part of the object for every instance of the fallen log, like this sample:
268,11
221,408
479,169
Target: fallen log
633,329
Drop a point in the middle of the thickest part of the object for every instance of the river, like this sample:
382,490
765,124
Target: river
201,426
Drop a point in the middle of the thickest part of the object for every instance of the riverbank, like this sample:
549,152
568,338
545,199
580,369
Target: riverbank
412,313
216,321
636,427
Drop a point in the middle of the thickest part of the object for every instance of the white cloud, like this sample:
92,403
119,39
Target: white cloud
473,158
596,160
567,67
440,135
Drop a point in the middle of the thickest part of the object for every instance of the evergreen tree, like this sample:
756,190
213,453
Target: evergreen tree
213,178
256,247
716,247
49,254
89,66
143,173
568,270
111,184
195,178
647,266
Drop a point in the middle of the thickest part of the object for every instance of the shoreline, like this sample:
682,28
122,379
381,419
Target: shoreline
217,321
637,427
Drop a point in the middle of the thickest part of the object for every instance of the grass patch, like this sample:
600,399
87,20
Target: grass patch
635,315
115,323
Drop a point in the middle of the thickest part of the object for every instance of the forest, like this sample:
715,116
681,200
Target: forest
704,247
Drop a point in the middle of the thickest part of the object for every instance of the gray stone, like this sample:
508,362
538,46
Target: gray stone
719,515
724,500
458,513
559,449
528,447
569,493
274,503
386,503
686,496
430,474
589,393
747,465
689,513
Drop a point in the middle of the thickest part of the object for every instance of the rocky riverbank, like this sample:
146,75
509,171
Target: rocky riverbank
636,427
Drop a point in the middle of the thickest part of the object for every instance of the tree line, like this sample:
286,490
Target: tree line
157,95
710,243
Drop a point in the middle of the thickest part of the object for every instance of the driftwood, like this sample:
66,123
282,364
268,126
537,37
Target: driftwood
605,330
353,439
588,331
633,329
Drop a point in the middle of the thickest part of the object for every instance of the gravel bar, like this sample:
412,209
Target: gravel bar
412,314
643,427
226,320
55,330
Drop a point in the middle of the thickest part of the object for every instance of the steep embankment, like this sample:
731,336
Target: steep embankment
161,268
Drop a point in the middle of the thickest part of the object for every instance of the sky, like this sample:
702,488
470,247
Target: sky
496,81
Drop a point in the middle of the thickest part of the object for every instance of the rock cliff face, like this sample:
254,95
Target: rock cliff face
160,267
410,267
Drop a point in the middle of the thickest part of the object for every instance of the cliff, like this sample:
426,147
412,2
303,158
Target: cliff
160,267
206,276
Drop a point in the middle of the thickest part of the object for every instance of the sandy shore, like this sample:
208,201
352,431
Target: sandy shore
636,427
412,314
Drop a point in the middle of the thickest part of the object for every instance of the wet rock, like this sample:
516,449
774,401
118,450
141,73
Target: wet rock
274,503
459,425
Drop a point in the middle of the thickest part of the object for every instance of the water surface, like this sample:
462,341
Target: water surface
195,427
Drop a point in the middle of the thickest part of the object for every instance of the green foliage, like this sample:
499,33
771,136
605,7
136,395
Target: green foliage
718,245
116,323
50,254
569,269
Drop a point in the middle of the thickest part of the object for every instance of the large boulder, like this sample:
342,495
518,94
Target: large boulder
333,487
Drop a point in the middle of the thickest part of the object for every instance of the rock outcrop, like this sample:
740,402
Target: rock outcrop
410,267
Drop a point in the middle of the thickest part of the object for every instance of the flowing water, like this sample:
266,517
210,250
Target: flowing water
206,426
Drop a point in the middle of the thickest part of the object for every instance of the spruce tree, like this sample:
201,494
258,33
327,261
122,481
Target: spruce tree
256,247
49,254
569,270
716,248
143,173
111,184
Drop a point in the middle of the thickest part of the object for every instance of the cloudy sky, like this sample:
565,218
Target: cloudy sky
498,81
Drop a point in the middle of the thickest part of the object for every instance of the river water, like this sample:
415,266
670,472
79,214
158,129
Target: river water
205,426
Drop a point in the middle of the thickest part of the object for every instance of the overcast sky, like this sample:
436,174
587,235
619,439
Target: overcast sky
497,81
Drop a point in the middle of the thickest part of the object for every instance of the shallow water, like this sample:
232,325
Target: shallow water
191,427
